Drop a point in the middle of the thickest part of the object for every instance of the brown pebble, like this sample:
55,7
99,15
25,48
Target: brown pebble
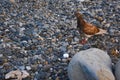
2,61
115,52
99,18
13,1
57,78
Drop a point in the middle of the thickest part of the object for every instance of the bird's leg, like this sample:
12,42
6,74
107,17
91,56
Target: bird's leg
84,39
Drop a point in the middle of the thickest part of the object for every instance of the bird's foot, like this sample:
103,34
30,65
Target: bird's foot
83,41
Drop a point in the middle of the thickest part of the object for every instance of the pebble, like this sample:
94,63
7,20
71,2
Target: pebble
91,64
81,0
28,68
13,1
66,55
3,60
1,55
21,67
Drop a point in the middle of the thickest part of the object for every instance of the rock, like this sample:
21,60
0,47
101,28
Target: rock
90,64
117,70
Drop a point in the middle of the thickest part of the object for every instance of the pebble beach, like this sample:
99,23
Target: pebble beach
40,36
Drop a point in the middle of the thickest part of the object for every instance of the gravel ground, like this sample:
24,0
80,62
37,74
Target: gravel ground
40,36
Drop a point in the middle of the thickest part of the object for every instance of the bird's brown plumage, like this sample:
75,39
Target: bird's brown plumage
85,27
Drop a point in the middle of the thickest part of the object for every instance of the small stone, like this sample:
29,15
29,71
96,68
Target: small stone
115,52
81,0
21,67
76,39
64,60
28,67
1,55
59,59
57,78
66,55
20,24
13,1
40,38
107,25
2,60
99,18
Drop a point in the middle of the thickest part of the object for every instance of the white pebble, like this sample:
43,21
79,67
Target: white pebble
28,67
1,55
81,0
66,55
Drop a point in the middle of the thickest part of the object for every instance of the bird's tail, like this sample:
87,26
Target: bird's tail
102,31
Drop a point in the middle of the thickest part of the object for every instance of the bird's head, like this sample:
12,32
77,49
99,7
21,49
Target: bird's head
78,15
80,20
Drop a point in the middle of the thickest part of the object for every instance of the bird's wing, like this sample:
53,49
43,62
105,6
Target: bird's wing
90,29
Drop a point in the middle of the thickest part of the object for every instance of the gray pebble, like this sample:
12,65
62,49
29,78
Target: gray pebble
90,64
117,70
